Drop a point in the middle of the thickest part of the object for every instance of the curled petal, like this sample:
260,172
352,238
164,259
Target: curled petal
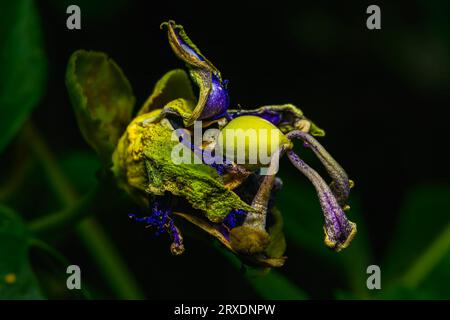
339,231
177,247
213,99
185,49
341,184
218,100
273,116
286,117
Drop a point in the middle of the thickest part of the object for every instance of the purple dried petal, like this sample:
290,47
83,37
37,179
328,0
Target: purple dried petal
218,101
339,231
341,184
213,99
185,49
161,221
270,115
235,218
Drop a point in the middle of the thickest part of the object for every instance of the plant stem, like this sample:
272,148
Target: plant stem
109,262
66,217
429,259
17,174
91,233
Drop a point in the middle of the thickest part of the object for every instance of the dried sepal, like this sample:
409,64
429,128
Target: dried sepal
175,84
101,97
339,231
341,184
213,100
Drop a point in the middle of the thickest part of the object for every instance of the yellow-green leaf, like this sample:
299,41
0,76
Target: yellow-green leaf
102,98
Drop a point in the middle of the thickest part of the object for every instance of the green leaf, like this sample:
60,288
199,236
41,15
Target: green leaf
419,257
80,168
275,286
17,280
23,65
102,99
400,292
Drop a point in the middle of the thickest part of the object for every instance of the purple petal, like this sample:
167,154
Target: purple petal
341,184
339,231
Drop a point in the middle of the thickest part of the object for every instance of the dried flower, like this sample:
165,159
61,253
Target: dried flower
232,201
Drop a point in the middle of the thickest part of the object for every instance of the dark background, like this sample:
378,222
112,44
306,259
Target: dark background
381,95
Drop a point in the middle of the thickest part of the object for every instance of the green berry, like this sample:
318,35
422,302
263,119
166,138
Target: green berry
251,141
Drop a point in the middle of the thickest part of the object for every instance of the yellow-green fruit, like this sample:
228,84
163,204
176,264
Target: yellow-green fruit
251,141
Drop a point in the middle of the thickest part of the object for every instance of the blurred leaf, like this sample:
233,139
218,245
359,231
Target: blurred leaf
436,283
419,257
81,168
22,63
49,266
303,226
102,99
17,280
275,286
400,292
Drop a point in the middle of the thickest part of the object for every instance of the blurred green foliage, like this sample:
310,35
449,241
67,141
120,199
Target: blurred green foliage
17,279
424,239
23,65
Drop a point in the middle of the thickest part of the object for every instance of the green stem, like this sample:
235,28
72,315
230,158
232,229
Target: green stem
66,217
93,236
429,259
110,263
17,174
39,244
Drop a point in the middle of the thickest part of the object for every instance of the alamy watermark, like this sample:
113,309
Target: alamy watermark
374,279
74,279
373,22
74,20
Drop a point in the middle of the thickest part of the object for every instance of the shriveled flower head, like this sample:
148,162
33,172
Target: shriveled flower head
232,201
